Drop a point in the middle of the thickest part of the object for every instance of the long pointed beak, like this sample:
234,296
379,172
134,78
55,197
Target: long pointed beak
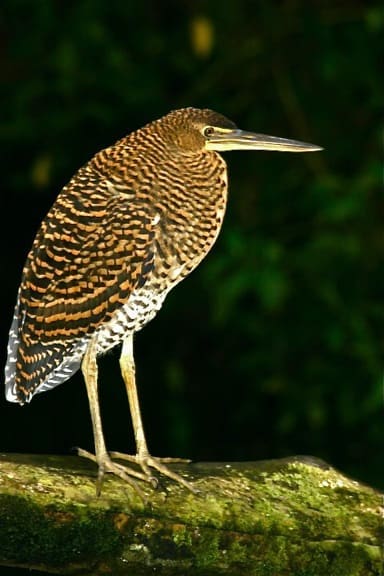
225,139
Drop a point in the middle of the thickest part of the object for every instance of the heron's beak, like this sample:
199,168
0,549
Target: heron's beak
224,139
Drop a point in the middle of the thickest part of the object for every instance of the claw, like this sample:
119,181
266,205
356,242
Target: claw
154,482
147,461
105,464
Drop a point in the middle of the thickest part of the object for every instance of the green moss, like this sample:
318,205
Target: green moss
182,536
54,536
264,519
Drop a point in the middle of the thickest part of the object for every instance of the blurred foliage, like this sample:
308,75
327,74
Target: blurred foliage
274,346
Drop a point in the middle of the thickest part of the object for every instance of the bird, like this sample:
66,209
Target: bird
131,223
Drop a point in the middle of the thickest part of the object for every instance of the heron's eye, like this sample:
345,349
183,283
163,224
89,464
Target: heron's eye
208,131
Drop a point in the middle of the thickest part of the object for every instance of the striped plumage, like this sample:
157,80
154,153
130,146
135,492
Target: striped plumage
111,248
130,225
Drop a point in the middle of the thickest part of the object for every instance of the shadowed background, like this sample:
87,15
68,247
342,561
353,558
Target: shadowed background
274,345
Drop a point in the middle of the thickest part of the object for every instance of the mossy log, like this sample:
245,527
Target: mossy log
295,516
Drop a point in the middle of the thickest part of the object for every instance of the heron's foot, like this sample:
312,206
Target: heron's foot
106,465
146,462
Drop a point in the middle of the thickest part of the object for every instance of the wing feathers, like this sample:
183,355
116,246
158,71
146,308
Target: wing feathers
94,248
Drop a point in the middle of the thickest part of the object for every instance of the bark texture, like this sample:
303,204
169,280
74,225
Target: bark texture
295,516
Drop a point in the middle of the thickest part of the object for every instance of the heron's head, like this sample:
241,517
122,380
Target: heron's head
194,130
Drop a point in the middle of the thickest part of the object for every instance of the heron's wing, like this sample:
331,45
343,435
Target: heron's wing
94,248
85,265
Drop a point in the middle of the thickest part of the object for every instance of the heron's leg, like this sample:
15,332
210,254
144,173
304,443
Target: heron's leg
90,374
127,366
143,457
101,457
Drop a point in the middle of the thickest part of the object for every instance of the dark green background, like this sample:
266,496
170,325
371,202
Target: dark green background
275,345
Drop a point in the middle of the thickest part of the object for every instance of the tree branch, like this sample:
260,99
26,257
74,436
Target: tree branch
280,517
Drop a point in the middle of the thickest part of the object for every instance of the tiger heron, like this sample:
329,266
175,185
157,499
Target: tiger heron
131,223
